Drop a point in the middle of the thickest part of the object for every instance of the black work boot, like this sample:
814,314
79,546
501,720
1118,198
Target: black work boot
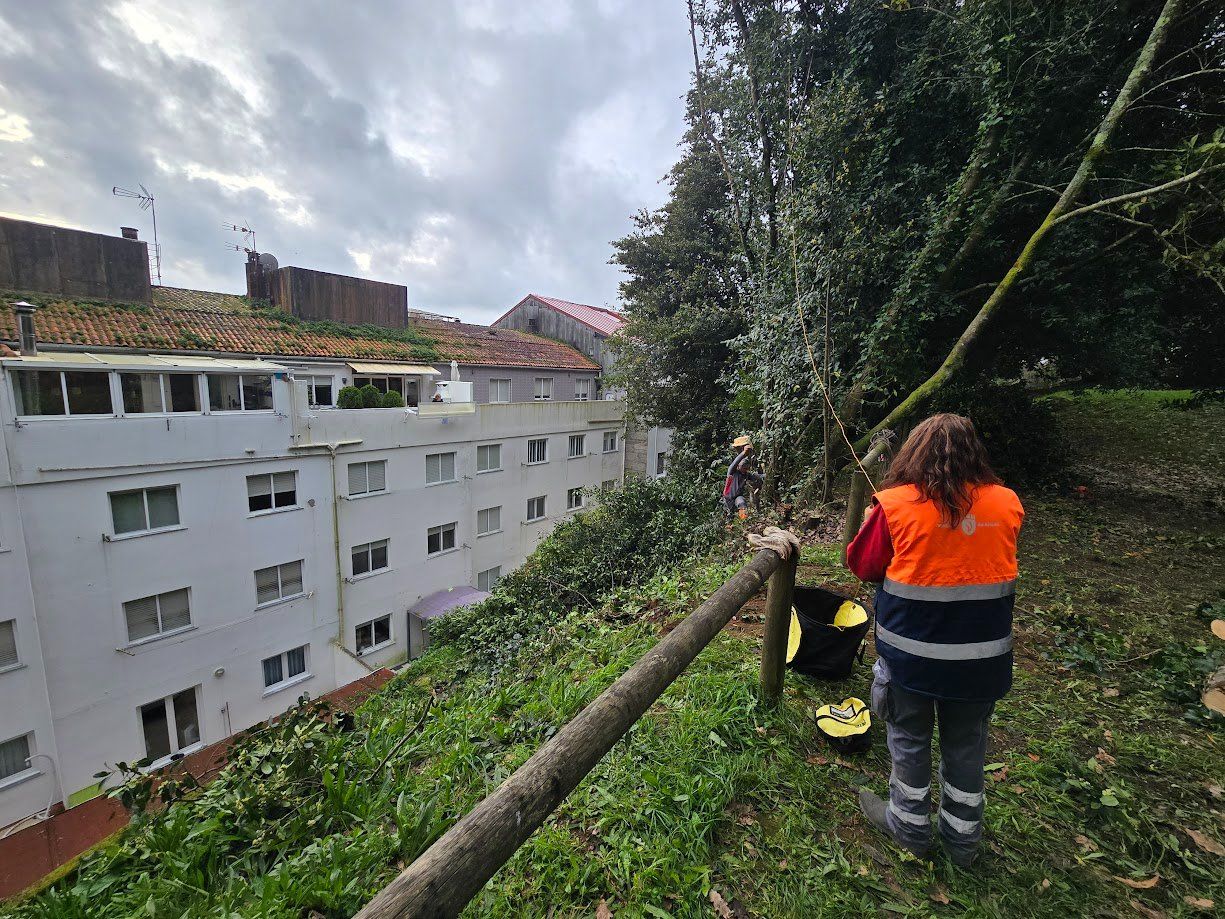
873,807
962,858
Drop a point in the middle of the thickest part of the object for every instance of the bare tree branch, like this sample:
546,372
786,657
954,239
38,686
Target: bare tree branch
1142,193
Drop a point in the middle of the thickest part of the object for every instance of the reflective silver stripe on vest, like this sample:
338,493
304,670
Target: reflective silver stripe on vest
969,651
961,592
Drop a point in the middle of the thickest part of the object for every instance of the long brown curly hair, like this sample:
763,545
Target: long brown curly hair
946,461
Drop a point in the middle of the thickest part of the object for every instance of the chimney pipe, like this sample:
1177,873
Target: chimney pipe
27,340
129,232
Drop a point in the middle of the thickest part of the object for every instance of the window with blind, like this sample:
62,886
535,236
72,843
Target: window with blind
15,756
368,557
582,390
145,510
440,539
578,445
372,635
279,582
542,389
272,491
161,614
8,645
499,390
488,579
171,725
488,520
535,509
439,467
488,457
538,450
367,478
285,668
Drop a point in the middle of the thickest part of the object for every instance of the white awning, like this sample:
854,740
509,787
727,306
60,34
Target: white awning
394,370
86,360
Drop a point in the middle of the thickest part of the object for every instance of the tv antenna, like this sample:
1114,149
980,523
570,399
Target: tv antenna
146,204
248,238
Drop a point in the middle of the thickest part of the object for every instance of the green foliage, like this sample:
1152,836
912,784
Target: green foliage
349,397
391,399
420,346
371,397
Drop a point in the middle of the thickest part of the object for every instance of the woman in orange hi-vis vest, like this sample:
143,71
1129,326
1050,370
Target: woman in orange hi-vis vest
941,539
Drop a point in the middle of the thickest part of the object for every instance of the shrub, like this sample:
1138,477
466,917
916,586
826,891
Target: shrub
371,397
392,399
349,397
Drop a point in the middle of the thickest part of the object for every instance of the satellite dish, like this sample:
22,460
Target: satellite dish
268,260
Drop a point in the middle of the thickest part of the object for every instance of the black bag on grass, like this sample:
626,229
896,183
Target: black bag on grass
831,629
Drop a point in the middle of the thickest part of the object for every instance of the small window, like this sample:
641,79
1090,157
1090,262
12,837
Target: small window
319,391
486,580
370,636
371,556
15,756
279,582
145,510
538,450
488,520
159,392
610,441
440,539
382,384
661,464
535,508
499,390
170,725
63,392
574,498
608,484
284,667
270,491
542,389
367,478
488,457
578,445
582,390
232,392
160,614
8,644
439,467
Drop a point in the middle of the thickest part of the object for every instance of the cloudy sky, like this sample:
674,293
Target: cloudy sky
474,150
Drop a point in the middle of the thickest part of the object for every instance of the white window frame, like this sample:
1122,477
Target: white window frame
16,663
280,582
315,380
112,383
544,450
271,477
542,389
497,447
367,464
440,457
144,495
164,388
495,571
369,548
441,530
495,529
581,441
582,389
30,770
242,394
611,437
544,511
574,498
371,648
161,632
172,728
496,382
286,681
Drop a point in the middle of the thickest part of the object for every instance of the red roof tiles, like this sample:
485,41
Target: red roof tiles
598,318
196,320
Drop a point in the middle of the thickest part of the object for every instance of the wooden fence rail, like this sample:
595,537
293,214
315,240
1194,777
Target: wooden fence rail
447,875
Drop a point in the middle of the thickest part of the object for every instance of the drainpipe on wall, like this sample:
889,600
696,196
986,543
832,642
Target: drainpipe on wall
340,577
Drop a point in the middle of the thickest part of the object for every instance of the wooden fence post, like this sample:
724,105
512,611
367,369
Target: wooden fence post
858,497
780,594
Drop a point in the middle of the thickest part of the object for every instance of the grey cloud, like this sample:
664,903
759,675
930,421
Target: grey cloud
471,151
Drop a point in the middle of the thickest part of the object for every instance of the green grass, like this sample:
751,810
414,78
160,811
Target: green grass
1105,757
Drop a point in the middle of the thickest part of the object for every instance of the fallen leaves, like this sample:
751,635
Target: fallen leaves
602,911
1086,843
1205,842
939,895
1147,911
1218,628
722,910
1146,884
1199,903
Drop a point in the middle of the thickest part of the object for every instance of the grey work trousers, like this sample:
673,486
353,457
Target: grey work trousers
910,720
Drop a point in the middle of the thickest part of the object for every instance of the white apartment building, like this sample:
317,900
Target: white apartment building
191,541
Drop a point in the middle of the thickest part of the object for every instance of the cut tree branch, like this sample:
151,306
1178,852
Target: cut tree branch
956,358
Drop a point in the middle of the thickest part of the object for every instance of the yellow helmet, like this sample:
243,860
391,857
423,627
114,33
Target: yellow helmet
742,441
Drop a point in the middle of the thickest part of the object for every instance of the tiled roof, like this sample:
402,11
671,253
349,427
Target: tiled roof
604,321
197,320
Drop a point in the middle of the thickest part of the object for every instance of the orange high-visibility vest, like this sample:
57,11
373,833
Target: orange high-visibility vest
944,610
